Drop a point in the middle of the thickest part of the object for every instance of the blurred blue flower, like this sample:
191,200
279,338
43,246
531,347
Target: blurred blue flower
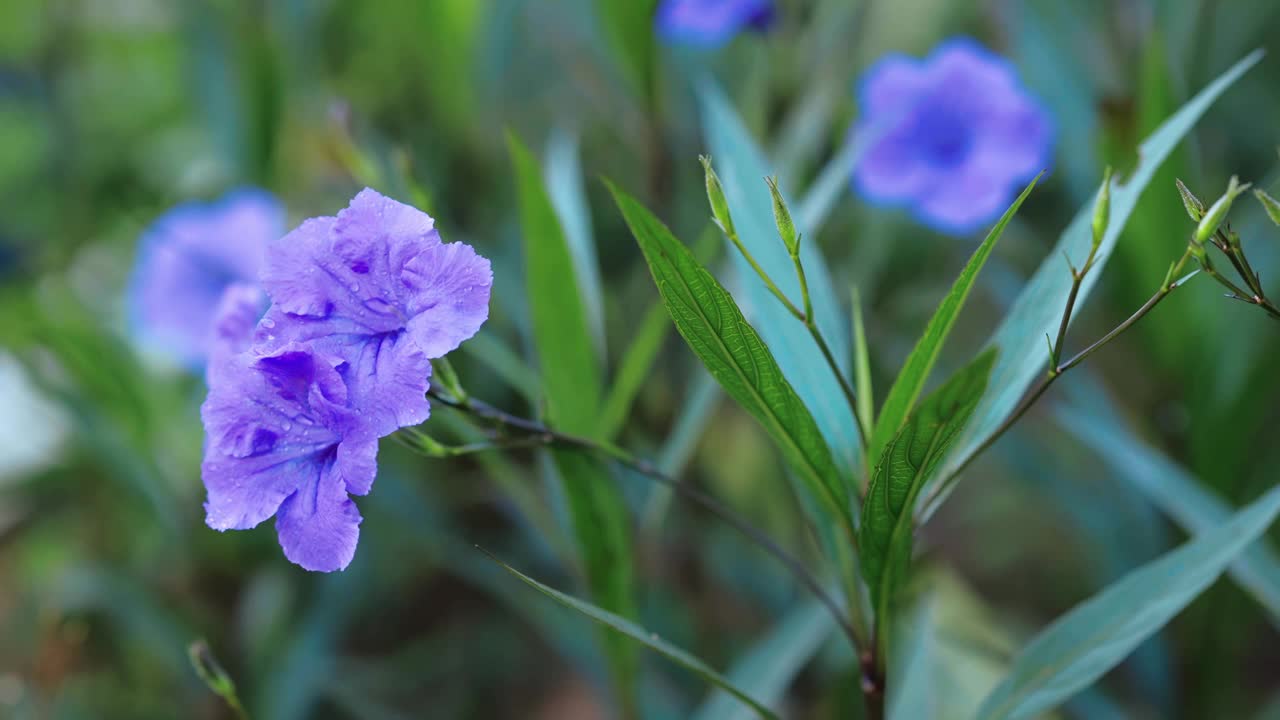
954,136
361,303
711,23
188,258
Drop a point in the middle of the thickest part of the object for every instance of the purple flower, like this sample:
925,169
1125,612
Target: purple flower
283,439
954,136
711,23
188,259
376,288
361,303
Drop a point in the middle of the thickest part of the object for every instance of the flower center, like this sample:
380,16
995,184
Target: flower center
942,135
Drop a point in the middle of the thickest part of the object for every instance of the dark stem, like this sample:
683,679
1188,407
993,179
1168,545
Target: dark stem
647,469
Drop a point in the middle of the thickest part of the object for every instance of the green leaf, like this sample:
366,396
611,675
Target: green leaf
566,356
571,380
915,371
1177,493
563,172
770,666
650,640
909,460
1081,646
742,170
862,366
1038,310
598,514
628,26
633,371
713,326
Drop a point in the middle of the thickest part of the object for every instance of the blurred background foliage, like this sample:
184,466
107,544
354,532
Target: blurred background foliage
113,110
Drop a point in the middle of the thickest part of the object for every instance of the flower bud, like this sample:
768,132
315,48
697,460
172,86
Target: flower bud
782,218
1194,207
715,195
1270,204
1102,209
1214,216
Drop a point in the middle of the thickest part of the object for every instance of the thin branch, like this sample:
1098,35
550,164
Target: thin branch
647,469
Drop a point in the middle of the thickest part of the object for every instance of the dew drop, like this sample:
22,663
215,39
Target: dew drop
268,323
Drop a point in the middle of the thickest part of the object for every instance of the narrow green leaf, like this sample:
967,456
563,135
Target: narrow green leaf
1081,646
566,357
634,370
650,640
773,662
1270,204
563,172
598,514
741,166
862,367
915,371
628,26
1177,493
571,381
908,461
1038,310
713,326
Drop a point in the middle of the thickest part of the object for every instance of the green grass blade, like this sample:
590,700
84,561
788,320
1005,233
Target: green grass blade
862,367
650,640
634,370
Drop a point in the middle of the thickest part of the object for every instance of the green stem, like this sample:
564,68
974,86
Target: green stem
547,435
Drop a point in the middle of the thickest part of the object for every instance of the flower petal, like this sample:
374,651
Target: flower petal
319,525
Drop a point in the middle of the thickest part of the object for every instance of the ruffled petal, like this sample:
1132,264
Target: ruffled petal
319,525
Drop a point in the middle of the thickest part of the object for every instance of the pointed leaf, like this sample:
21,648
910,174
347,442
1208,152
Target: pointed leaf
566,356
1084,644
908,461
642,636
915,371
720,336
1038,310
1178,494
563,172
742,170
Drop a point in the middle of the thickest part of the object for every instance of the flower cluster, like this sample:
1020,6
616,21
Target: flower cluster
711,23
360,304
954,136
192,260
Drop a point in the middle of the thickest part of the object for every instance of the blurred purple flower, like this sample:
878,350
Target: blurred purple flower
954,136
711,23
361,303
188,258
377,288
283,439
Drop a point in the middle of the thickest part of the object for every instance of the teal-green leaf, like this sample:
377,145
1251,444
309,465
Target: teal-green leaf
650,640
1038,310
742,169
908,461
1178,494
562,337
1081,646
770,666
628,28
714,327
563,172
915,371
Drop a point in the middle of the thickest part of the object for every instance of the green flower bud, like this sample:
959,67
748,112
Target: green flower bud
715,195
1194,207
782,217
1102,209
1216,214
1270,204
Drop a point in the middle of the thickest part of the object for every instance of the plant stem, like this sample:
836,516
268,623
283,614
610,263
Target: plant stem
548,436
1057,369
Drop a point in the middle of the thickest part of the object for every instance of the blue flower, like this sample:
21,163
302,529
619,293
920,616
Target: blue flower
361,303
711,23
188,259
953,137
